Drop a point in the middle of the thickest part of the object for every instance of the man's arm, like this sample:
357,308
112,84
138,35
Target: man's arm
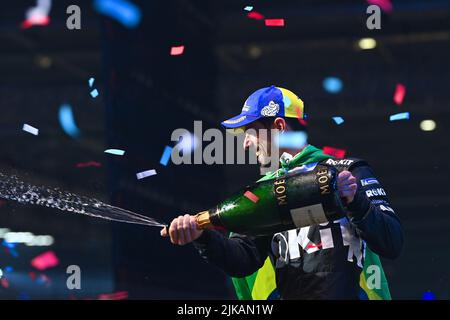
371,214
238,256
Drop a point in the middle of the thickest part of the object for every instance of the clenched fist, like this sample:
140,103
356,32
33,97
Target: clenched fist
183,230
346,184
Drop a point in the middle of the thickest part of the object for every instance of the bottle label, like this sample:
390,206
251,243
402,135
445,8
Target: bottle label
309,215
324,181
279,187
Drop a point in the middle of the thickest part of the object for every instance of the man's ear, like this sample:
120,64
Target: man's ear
280,124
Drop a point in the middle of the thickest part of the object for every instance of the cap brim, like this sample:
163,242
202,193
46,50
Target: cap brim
239,121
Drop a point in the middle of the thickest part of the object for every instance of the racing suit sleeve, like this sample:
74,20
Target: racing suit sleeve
372,215
238,256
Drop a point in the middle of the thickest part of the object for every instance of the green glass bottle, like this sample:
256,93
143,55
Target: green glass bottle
292,201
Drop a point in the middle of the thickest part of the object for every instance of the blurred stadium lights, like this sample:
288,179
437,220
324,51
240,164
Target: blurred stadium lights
428,125
367,43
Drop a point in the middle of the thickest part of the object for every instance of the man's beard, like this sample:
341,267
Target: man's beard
262,154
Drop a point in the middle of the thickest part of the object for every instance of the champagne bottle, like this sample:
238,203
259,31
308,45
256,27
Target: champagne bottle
295,200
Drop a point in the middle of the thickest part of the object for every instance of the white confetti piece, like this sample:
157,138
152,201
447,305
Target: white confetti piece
144,174
30,129
116,152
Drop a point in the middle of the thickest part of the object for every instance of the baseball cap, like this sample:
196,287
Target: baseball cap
267,102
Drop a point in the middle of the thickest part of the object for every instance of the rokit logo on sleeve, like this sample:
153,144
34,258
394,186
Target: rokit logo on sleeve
369,181
376,192
343,162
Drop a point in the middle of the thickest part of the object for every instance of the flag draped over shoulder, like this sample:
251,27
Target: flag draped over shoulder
261,285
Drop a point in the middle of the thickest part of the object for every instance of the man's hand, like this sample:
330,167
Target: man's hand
346,184
183,230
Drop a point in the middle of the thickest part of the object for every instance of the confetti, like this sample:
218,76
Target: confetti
293,139
338,153
144,174
114,296
248,8
94,93
88,164
384,5
274,22
332,84
399,95
38,15
45,260
122,11
338,120
166,156
255,15
91,82
10,247
1,273
250,195
30,129
176,51
116,152
4,282
67,122
399,116
9,269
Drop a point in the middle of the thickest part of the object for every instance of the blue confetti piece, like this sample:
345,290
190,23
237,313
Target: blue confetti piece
248,8
116,152
94,93
67,122
122,11
294,139
166,156
9,245
338,120
332,84
9,269
399,116
91,82
428,296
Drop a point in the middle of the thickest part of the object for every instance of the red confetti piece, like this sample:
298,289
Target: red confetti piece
88,164
274,22
251,196
35,21
255,15
121,295
5,283
338,153
384,5
45,260
176,51
399,95
32,275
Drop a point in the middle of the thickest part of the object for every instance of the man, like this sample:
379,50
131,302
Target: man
316,262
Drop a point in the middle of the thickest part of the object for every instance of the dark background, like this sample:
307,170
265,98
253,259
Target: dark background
145,94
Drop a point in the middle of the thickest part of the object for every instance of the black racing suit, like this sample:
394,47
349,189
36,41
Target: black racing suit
320,261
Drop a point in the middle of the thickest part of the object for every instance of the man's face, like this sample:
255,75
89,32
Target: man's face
258,136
